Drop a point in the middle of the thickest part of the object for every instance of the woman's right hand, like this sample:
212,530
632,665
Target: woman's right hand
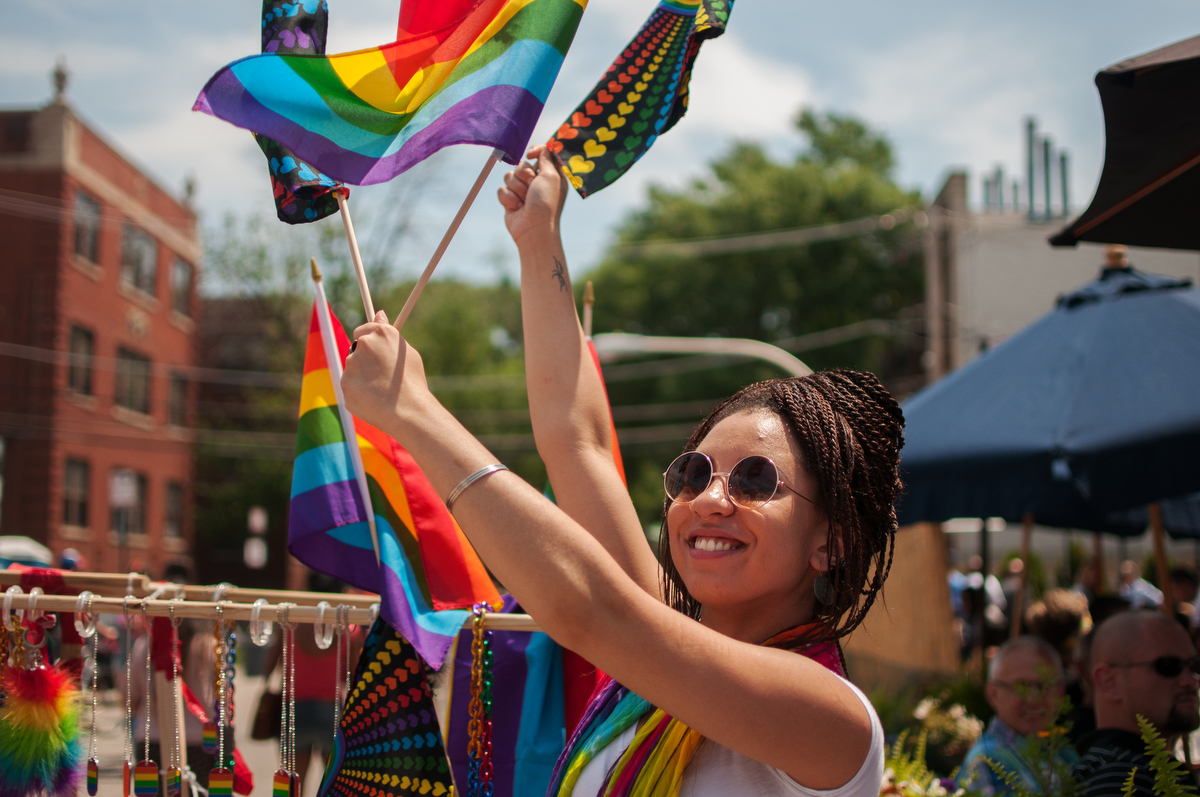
384,379
533,196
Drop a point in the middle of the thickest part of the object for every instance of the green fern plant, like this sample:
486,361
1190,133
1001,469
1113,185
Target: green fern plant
1167,770
907,774
1129,788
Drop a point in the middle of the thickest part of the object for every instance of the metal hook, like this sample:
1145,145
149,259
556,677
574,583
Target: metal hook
282,611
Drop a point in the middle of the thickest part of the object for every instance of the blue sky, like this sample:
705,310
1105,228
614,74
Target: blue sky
948,82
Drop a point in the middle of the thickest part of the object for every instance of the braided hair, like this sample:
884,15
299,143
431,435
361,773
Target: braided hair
850,431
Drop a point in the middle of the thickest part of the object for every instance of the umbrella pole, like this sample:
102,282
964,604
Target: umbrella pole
1160,559
1018,607
1098,558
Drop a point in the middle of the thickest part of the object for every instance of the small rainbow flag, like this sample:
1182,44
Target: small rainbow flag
93,776
145,779
427,575
220,782
281,786
459,72
208,737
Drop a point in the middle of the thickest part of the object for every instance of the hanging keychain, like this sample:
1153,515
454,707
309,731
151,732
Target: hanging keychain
145,774
127,768
208,732
479,729
281,784
85,624
175,769
220,779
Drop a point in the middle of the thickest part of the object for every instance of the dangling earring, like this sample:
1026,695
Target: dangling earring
823,589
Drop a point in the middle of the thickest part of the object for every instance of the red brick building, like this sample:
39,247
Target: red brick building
98,273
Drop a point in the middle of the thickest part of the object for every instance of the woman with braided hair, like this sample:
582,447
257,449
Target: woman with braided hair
778,528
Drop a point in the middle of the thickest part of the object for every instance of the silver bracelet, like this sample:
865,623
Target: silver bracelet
486,470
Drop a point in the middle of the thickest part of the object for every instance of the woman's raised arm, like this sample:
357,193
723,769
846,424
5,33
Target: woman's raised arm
776,707
571,423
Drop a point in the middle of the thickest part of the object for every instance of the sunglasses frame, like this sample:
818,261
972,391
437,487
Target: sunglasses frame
1158,664
713,473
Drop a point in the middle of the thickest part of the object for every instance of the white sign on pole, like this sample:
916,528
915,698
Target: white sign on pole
254,553
122,489
256,520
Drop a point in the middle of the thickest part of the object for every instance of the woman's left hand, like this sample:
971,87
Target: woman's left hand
384,380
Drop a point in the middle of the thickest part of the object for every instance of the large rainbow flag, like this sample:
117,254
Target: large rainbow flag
640,96
427,574
459,72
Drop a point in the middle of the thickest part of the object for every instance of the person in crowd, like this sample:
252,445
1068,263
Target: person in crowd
1024,685
1081,717
1184,585
1143,665
1060,617
1088,580
778,529
1140,593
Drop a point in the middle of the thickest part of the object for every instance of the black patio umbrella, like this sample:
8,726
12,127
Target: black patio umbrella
1149,191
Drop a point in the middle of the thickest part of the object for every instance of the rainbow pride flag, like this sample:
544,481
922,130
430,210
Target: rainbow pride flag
145,779
459,72
220,782
427,573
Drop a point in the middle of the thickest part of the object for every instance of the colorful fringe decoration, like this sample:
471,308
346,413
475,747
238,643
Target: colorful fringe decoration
428,574
641,96
459,72
40,750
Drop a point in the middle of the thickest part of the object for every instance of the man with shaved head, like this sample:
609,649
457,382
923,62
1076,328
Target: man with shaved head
1143,664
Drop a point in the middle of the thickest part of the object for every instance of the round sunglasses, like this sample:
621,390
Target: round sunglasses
1167,666
749,484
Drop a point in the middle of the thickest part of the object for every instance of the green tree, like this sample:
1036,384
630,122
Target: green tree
844,172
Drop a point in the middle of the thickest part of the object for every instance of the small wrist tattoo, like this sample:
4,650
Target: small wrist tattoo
559,274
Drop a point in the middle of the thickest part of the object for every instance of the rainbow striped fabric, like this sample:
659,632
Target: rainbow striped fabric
145,779
220,782
428,574
641,95
460,72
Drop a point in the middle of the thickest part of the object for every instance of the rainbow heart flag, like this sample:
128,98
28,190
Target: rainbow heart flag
641,96
427,574
459,72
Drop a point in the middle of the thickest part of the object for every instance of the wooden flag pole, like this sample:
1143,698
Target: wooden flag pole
1018,612
441,249
1160,559
359,272
589,299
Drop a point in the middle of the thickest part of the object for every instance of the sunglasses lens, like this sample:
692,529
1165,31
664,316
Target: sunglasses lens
688,476
1171,666
753,481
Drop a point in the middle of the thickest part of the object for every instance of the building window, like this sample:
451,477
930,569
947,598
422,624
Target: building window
75,493
177,406
181,288
87,227
139,259
79,371
16,132
174,525
127,498
133,381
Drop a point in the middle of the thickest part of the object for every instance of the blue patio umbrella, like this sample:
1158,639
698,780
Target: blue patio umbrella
1081,419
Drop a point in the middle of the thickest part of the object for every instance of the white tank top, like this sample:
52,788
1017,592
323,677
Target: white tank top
717,771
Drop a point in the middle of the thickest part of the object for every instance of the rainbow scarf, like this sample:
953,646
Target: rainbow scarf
427,574
654,763
459,72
